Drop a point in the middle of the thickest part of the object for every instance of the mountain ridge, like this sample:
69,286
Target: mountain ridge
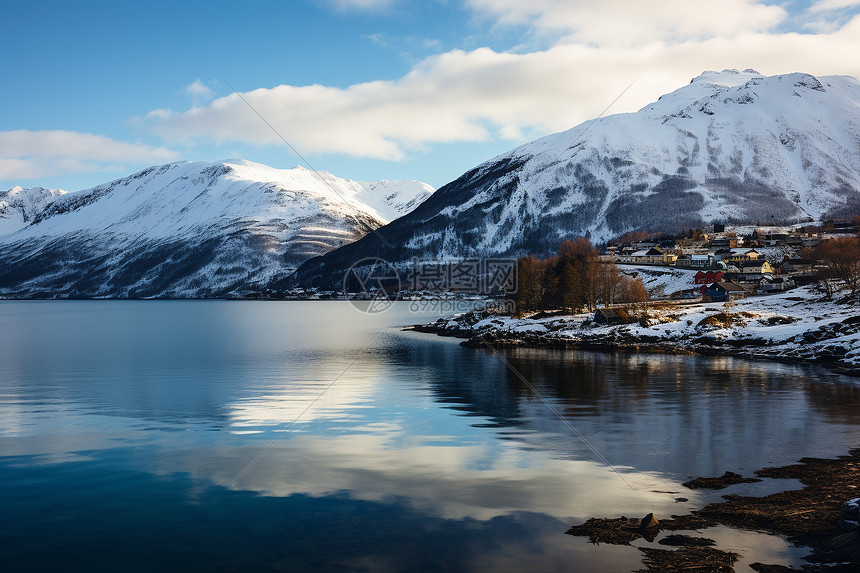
192,229
731,146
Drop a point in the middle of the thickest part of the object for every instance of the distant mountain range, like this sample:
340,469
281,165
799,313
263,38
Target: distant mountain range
188,229
731,146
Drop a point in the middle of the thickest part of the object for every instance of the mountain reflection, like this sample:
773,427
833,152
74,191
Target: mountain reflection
686,415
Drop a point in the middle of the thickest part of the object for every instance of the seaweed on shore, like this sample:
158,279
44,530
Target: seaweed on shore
680,540
806,517
703,559
724,481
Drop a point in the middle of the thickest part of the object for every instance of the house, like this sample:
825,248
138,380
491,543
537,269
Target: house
794,266
612,316
724,243
755,267
707,277
776,238
749,273
652,256
844,227
644,245
778,284
723,255
697,242
694,261
737,255
725,291
687,243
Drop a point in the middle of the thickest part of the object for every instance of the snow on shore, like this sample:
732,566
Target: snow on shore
792,326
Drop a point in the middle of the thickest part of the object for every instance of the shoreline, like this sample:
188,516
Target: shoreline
499,342
786,329
780,328
806,517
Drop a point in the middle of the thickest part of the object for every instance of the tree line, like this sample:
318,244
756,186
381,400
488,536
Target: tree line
840,259
573,280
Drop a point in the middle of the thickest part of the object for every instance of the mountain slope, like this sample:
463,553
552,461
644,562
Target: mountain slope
733,147
192,229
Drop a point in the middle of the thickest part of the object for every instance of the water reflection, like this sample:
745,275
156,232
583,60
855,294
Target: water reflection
837,402
394,438
72,518
687,415
452,480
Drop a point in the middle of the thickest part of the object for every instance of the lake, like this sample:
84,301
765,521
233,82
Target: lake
309,436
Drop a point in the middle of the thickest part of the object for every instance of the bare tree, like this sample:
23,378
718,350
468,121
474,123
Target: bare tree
841,260
607,278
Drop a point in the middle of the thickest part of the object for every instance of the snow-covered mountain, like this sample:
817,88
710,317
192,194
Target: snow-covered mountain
19,206
731,146
190,229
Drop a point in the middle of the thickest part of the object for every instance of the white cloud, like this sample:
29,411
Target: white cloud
377,38
28,154
827,15
199,92
833,5
632,22
482,95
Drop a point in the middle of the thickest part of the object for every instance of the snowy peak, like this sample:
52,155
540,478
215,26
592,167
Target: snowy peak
728,138
735,147
193,229
177,195
393,199
711,89
19,207
387,199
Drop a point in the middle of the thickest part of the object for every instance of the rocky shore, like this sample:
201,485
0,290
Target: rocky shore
796,327
807,517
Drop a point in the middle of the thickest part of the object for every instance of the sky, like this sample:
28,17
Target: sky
92,91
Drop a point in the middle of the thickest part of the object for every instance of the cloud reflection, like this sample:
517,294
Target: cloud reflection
451,481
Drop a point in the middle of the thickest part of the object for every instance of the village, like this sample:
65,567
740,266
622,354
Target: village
733,263
785,294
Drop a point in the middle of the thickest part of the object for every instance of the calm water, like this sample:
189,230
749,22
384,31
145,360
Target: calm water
265,436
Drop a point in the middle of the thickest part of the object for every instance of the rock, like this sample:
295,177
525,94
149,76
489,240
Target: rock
649,521
725,480
678,540
845,548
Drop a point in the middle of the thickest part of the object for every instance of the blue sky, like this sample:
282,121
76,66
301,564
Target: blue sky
365,89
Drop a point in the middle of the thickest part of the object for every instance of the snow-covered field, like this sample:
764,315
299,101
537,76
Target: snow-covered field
661,280
796,325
